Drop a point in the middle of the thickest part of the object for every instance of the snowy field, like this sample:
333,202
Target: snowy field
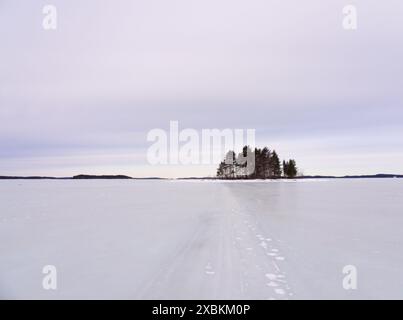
201,239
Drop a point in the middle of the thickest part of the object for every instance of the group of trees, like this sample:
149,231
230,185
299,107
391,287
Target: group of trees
290,168
257,164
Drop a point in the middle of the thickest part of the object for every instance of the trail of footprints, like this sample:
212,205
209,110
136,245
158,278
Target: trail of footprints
276,281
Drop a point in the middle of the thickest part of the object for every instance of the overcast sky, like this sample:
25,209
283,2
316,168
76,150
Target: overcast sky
82,98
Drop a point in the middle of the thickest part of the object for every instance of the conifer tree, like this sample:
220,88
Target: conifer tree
285,168
292,169
265,163
275,164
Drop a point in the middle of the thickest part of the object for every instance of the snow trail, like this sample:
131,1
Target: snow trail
201,239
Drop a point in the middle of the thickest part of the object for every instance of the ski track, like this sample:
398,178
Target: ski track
236,259
200,239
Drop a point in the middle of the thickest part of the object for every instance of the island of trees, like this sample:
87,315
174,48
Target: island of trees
257,164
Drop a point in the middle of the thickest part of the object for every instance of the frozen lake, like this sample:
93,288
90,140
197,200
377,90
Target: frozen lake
201,239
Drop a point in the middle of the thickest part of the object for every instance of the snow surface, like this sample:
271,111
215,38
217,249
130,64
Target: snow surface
201,239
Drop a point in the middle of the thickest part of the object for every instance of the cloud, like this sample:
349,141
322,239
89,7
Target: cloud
115,70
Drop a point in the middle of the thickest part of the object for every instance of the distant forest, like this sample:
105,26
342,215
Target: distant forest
267,165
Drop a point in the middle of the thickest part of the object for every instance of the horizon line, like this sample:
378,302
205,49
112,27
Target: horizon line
126,177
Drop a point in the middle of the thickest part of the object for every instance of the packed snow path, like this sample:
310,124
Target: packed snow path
201,239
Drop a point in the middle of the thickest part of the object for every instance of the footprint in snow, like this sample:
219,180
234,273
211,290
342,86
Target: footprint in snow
272,284
279,291
263,244
271,276
209,269
280,258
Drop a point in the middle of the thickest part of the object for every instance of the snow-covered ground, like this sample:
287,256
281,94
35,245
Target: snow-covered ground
201,239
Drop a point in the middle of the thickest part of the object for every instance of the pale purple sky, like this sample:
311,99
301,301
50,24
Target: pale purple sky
81,99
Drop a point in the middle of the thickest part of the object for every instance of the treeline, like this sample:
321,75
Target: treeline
257,164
